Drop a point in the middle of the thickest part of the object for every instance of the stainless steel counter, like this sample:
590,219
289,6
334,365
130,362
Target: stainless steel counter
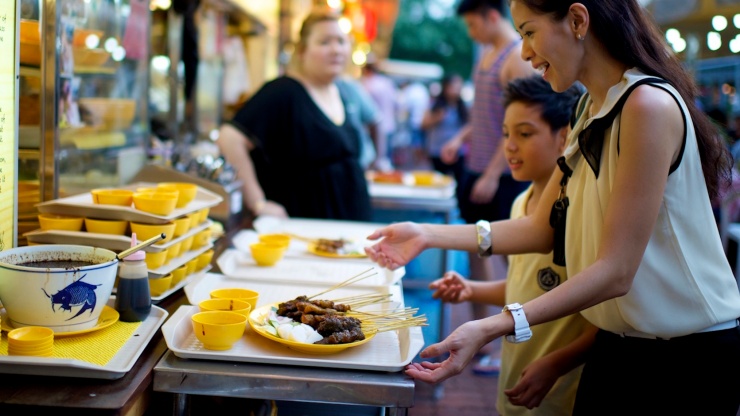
393,392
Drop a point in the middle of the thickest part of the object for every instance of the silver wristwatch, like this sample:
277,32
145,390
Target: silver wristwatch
522,332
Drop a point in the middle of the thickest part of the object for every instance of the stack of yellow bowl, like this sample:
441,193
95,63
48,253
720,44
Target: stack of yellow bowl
186,191
31,340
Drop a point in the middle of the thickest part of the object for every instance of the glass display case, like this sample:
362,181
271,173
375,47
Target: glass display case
83,93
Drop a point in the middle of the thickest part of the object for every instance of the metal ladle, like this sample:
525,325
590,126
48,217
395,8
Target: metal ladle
131,250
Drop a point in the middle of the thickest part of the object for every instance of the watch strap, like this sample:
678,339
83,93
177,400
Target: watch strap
522,331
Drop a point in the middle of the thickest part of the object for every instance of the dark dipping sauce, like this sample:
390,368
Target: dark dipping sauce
57,264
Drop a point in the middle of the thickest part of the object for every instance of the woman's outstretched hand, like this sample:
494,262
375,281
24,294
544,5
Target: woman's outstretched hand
461,344
399,244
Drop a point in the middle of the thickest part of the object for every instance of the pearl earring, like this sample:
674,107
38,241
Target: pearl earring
578,36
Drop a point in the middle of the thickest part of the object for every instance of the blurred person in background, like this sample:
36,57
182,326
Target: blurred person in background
384,92
293,143
445,117
413,101
487,189
366,117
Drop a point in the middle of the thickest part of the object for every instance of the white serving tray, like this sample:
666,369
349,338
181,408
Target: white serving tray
310,268
443,189
81,205
107,241
116,368
178,261
387,351
355,231
184,282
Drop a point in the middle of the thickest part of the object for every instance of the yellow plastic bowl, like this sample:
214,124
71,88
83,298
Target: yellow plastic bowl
248,295
186,244
266,254
60,222
147,231
31,337
179,273
182,225
201,239
159,285
155,203
194,219
218,330
174,250
122,197
279,239
186,190
234,305
192,264
422,177
203,215
155,260
115,227
204,259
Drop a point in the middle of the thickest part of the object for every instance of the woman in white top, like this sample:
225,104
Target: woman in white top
636,228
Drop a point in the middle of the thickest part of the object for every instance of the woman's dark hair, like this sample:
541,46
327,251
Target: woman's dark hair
556,108
631,37
440,101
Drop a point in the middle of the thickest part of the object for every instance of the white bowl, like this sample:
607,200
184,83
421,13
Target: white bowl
59,297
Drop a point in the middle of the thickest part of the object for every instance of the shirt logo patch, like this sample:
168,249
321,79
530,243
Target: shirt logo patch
548,279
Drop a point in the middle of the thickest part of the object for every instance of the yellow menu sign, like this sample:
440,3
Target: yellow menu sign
8,122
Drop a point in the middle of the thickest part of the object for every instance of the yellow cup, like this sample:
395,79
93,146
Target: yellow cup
146,231
279,239
186,191
192,265
266,254
248,295
234,305
204,259
173,251
114,227
182,225
155,260
179,273
186,244
159,285
218,330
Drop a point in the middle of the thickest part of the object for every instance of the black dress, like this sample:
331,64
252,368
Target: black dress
303,160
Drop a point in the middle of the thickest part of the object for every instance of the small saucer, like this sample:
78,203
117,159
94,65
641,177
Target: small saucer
108,317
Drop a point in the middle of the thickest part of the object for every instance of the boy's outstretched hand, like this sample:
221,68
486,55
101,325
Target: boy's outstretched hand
451,287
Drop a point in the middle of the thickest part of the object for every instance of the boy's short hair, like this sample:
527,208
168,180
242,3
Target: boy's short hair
534,90
477,6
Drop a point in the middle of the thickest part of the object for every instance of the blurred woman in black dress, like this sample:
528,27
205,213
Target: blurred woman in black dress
293,144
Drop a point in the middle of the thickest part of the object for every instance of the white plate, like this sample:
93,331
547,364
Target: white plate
387,351
81,205
308,268
116,368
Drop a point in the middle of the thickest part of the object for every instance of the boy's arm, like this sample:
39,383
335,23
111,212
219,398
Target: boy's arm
490,292
540,375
